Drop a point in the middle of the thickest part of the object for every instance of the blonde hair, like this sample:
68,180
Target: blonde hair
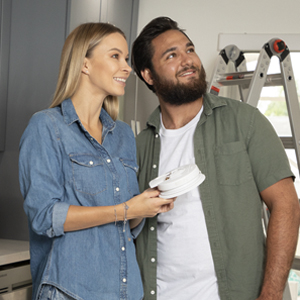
78,45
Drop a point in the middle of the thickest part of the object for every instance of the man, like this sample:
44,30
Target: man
211,246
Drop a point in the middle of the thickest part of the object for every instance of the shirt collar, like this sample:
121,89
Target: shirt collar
70,115
154,119
210,102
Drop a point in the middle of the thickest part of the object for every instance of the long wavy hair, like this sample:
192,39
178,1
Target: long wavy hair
78,45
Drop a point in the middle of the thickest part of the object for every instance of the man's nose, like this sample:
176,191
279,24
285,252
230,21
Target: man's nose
186,60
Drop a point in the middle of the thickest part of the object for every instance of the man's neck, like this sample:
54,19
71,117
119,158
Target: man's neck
177,116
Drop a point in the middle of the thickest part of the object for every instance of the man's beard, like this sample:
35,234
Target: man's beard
180,93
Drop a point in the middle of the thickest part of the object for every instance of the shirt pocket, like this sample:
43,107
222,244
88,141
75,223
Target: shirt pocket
232,164
131,168
89,174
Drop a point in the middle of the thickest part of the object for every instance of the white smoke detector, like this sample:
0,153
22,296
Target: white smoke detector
178,181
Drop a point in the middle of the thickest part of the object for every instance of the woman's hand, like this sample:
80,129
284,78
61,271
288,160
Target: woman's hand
148,204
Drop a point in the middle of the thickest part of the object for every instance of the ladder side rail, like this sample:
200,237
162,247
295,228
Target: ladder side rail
221,66
292,102
287,292
241,66
259,77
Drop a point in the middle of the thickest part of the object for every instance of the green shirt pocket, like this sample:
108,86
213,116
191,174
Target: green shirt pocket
232,164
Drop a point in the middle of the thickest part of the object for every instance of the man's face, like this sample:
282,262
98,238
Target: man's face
177,76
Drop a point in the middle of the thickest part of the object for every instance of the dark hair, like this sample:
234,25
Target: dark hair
142,49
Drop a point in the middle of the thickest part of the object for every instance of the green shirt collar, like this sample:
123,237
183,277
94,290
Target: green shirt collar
210,102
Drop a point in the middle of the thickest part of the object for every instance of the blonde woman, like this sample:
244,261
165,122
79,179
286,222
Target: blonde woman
77,171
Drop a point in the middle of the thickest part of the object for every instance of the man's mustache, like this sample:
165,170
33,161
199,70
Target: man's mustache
188,68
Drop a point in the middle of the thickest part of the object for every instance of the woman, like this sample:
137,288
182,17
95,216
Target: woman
78,177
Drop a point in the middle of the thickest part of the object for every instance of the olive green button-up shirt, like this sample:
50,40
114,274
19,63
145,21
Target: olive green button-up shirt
240,154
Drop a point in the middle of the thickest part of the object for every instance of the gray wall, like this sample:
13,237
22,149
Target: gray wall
34,37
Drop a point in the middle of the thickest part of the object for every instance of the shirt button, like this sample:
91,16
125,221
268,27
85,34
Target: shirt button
152,228
154,166
108,160
123,248
153,259
117,189
156,136
91,162
152,292
124,280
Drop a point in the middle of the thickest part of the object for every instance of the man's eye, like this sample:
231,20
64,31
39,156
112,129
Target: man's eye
190,50
171,55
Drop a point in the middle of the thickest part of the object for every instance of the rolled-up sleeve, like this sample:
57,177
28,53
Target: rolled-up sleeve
40,176
136,230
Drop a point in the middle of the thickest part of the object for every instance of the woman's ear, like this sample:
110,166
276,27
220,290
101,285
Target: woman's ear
85,68
147,76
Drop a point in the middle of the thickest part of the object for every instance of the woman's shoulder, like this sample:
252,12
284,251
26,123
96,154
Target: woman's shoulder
43,122
46,116
121,125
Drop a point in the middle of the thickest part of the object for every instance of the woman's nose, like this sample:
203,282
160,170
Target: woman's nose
126,67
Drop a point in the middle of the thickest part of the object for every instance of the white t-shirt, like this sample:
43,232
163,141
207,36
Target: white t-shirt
185,268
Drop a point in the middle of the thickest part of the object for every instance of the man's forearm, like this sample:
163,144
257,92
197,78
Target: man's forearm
281,245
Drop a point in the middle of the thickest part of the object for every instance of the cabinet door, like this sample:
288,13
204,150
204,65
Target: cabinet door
119,13
122,13
31,64
5,17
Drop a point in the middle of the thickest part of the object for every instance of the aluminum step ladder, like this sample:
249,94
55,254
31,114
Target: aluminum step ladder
250,84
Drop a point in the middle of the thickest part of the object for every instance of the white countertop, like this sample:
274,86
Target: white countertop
12,251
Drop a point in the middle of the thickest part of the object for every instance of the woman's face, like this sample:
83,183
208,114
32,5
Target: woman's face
107,68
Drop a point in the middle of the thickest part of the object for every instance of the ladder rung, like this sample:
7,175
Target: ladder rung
287,142
244,79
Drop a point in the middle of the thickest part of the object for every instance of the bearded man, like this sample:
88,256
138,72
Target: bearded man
211,246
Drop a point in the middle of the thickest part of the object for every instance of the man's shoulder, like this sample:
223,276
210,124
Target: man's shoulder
230,108
144,135
221,101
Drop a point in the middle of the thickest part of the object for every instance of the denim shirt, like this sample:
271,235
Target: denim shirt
61,164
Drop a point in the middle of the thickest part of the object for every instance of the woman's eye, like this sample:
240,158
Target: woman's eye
115,56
